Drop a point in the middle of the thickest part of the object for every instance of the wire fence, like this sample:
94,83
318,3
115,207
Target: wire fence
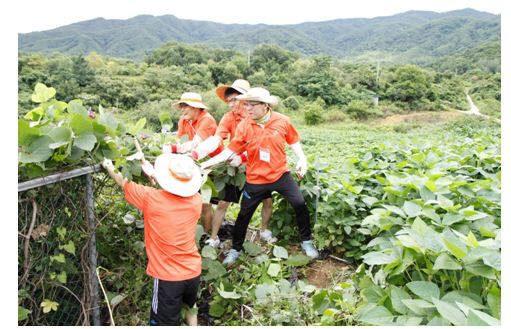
57,284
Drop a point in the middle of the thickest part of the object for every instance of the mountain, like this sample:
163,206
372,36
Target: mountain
410,35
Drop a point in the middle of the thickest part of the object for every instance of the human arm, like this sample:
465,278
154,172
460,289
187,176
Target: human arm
117,177
301,164
221,157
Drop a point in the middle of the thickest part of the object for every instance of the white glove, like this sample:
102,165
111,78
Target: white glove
301,167
166,148
236,161
148,168
107,164
136,156
208,146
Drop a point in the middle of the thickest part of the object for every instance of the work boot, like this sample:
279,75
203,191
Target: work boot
232,255
309,249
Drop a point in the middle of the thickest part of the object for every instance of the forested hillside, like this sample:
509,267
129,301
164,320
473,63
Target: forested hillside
412,36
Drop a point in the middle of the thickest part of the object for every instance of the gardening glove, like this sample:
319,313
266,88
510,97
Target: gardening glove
136,156
208,146
301,164
107,164
148,168
238,160
221,157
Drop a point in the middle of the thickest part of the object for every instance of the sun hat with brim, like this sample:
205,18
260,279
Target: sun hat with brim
192,99
240,85
258,94
177,174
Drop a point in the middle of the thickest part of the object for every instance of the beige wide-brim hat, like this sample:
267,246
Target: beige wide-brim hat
258,94
192,99
240,85
178,174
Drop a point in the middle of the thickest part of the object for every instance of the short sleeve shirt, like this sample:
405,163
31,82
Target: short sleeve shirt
204,126
265,147
170,223
229,123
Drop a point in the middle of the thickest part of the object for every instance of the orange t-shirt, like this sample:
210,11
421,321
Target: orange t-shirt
170,222
267,160
229,122
204,126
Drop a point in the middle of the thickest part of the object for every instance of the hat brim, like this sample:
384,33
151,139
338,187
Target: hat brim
220,91
192,104
171,184
272,100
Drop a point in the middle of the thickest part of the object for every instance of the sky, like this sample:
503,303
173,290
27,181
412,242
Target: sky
44,15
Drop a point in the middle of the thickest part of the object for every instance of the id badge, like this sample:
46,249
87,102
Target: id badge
264,155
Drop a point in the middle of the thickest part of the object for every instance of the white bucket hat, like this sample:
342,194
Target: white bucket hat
192,99
258,94
240,85
178,174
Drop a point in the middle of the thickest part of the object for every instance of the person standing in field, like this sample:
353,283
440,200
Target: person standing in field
170,220
197,124
227,128
263,135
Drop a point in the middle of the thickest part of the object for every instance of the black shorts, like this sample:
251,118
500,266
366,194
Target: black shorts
168,296
231,193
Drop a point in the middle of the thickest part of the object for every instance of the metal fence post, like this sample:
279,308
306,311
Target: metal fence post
93,280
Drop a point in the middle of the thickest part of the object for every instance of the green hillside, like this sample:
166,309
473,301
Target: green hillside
411,36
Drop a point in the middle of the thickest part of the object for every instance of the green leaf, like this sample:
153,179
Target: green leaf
273,269
209,252
85,141
438,321
227,294
418,306
430,184
38,151
69,247
26,134
35,114
76,107
450,312
164,117
80,124
59,258
444,262
467,298
49,305
117,299
134,130
263,290
481,270
493,298
206,192
23,313
395,210
369,200
398,294
60,135
280,252
297,260
423,289
215,269
42,93
478,318
62,277
455,249
251,248
261,258
216,309
376,315
378,258
61,231
412,209
199,232
450,219
444,202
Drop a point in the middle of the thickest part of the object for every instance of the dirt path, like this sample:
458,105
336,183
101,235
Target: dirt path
475,111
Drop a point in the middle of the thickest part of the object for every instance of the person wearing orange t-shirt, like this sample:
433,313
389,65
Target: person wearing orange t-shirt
263,136
170,220
198,125
227,128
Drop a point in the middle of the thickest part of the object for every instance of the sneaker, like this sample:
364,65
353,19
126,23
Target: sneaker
232,255
267,236
213,243
309,249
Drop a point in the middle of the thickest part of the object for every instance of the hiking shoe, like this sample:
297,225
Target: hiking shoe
309,249
267,236
232,255
213,243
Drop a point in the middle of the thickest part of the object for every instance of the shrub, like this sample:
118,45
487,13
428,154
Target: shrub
313,114
291,103
359,109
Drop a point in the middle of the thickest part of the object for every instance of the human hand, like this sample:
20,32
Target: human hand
148,168
236,161
137,156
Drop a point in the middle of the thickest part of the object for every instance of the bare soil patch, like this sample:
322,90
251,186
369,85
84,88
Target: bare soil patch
420,117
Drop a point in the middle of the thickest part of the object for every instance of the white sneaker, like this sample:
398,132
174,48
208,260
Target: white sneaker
267,236
232,255
309,249
213,243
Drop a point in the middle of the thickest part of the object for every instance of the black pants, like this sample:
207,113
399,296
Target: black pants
253,194
168,296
